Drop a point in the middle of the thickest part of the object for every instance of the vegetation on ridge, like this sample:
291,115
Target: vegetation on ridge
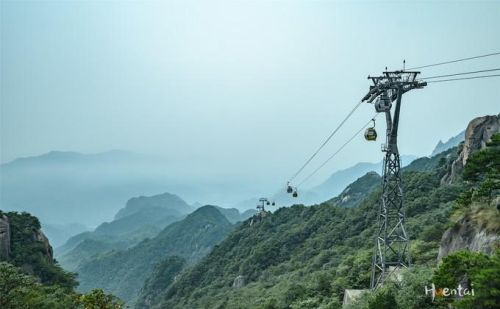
30,278
305,257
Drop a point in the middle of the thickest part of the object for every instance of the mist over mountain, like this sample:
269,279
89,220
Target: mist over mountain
328,189
62,187
142,217
58,234
339,180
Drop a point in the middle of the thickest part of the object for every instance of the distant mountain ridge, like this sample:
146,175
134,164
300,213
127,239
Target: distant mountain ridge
450,143
72,187
356,191
63,186
142,217
234,215
57,156
124,271
334,184
58,234
168,201
327,190
342,178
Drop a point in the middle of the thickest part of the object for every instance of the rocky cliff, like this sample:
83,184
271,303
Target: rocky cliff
478,226
25,252
18,232
472,233
478,132
4,237
48,252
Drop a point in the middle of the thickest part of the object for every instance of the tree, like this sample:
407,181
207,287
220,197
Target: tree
19,290
97,299
483,169
476,271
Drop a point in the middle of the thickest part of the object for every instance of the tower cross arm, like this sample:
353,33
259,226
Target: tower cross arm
397,80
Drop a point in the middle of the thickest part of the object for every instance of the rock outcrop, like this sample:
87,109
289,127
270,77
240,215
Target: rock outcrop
452,142
477,134
36,237
39,236
469,233
477,230
239,282
4,237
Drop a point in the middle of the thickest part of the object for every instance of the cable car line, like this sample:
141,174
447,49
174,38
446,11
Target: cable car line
457,74
338,150
370,133
463,78
453,61
324,143
425,78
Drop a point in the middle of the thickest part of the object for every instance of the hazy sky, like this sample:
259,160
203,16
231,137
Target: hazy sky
234,88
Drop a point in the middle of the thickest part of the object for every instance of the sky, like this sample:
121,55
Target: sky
228,89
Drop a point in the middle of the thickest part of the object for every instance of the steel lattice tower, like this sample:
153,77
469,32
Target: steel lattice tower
392,244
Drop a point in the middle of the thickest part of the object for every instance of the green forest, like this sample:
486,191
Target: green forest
305,257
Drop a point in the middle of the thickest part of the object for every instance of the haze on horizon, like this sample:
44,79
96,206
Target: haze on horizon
243,89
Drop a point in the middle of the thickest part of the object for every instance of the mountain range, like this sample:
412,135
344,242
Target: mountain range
123,272
295,257
87,189
84,188
450,143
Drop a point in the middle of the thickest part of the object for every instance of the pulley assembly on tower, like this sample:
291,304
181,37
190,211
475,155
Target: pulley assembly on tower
261,210
383,103
264,202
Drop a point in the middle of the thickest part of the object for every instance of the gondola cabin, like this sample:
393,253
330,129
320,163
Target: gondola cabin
371,134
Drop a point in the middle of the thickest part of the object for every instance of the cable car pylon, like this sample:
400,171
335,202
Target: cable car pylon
392,245
261,207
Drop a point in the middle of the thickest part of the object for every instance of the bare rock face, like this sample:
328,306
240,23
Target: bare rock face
239,282
40,237
477,134
4,237
469,234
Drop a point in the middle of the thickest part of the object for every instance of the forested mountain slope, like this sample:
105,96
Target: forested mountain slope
29,275
305,257
123,272
142,217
